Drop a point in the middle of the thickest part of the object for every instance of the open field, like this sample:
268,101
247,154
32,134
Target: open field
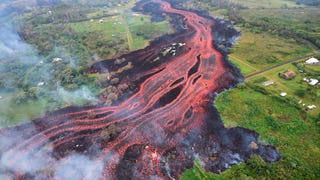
293,132
123,27
252,4
308,96
278,123
263,50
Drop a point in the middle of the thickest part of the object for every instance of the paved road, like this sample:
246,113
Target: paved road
284,63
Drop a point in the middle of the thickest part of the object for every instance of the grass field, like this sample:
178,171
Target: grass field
278,123
291,87
294,133
123,30
267,4
263,50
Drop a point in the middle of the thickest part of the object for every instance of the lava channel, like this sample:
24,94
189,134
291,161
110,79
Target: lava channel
158,131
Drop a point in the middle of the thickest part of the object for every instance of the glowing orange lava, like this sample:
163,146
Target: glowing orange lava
155,133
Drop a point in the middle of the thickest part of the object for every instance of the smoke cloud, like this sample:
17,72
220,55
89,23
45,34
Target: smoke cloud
79,167
73,97
17,57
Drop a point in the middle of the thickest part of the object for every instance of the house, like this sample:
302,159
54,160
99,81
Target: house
313,82
56,59
312,61
289,74
310,107
40,84
268,83
283,94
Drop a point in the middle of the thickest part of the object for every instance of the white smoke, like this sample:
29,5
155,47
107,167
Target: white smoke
79,167
73,97
11,45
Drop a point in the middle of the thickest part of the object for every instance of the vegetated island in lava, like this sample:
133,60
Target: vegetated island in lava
160,129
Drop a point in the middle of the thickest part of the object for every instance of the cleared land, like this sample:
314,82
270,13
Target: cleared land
263,50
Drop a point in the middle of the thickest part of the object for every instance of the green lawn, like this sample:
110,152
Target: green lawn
243,66
267,4
309,96
122,30
263,50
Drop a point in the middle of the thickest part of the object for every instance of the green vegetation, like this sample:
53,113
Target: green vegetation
308,2
68,37
300,24
263,50
290,129
273,32
294,88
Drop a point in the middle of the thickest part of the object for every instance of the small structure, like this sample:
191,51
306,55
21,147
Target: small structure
288,75
0,97
313,82
40,84
283,94
268,83
182,44
312,61
310,107
101,21
56,59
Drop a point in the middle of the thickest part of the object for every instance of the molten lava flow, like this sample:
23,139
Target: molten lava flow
158,132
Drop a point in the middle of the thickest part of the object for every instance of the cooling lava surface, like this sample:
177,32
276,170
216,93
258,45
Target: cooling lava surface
156,132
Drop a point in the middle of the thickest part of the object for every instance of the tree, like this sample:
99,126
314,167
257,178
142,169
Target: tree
21,96
300,92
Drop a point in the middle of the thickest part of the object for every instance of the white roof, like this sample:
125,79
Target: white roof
313,82
56,59
312,107
40,83
283,94
312,61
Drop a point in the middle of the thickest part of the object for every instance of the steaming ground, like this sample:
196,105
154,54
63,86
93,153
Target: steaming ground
24,73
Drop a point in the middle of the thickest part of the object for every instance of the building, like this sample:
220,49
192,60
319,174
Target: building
313,82
268,83
56,59
289,74
283,94
312,61
310,107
